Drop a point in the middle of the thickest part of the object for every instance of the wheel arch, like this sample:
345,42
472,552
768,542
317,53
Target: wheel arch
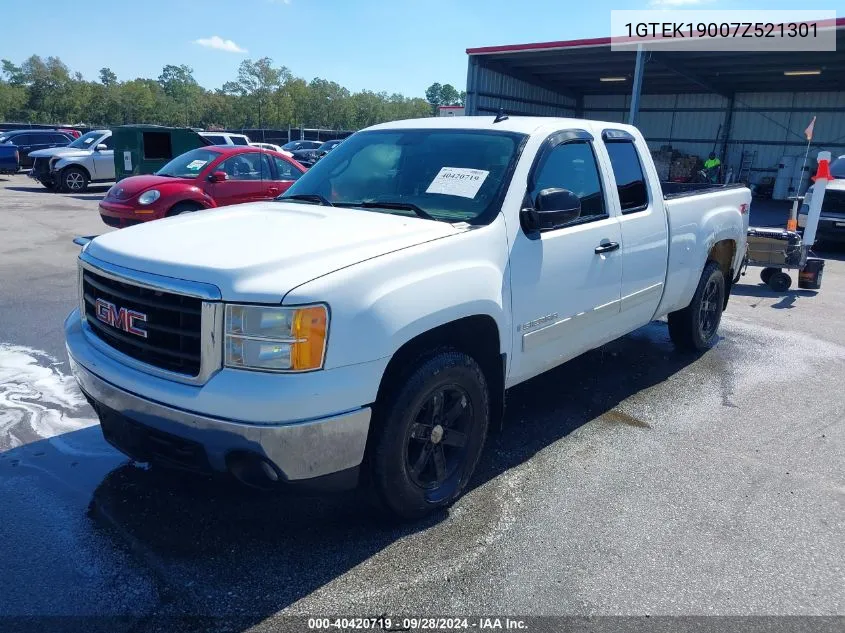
477,336
81,166
723,253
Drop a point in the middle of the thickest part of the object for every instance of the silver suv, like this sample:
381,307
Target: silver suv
90,158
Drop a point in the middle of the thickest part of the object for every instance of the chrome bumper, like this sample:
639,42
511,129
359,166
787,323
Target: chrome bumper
300,451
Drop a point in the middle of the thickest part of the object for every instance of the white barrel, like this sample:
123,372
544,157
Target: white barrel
786,167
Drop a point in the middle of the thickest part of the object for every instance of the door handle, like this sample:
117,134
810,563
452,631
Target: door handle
606,247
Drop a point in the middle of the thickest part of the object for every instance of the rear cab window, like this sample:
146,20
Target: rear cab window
627,171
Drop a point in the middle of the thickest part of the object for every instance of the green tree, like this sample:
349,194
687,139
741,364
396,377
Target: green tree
107,77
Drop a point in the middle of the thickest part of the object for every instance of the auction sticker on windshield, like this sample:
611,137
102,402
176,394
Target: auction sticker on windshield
196,164
458,181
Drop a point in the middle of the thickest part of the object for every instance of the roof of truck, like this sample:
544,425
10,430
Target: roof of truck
522,124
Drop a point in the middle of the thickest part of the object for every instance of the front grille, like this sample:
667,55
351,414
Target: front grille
118,222
41,167
173,325
834,202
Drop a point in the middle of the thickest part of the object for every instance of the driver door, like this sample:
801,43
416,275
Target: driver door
248,178
566,282
103,159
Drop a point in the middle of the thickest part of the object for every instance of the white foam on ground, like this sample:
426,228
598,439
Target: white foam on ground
37,399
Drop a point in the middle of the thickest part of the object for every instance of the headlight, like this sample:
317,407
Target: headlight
275,339
148,197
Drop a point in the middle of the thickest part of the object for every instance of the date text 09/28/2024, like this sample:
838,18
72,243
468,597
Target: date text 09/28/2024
385,623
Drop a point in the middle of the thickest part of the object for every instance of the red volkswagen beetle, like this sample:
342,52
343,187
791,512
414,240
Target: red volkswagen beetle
206,177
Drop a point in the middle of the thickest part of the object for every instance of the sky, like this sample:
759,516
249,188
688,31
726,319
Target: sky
381,45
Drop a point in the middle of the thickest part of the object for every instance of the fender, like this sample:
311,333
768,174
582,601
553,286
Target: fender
380,304
80,161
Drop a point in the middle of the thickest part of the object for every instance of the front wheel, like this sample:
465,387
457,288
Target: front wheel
74,180
430,434
694,328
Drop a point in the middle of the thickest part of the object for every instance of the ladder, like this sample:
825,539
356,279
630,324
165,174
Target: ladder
745,165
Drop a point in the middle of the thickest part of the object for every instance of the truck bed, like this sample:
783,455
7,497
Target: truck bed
673,190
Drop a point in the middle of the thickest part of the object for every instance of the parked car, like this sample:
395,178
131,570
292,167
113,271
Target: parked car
29,141
203,178
297,145
385,303
9,159
90,158
308,157
225,138
272,148
74,134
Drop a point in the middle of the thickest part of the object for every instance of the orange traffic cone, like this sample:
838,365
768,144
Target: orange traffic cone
823,171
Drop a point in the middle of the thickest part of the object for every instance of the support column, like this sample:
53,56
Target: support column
636,89
729,120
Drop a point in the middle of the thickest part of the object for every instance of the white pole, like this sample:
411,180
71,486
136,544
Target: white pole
803,165
815,209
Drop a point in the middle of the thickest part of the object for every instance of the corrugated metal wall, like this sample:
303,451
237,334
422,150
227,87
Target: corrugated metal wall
768,125
488,91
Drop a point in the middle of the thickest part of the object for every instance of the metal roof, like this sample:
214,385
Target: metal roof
574,68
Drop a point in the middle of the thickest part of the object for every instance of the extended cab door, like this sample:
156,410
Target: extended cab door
565,282
645,232
248,178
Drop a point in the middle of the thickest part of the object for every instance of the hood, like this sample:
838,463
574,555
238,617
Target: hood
260,251
134,185
60,151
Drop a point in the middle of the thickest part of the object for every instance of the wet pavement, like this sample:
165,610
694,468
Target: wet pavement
632,480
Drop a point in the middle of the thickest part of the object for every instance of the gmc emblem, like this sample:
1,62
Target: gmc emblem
123,319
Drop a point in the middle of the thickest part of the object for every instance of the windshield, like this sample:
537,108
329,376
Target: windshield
837,167
451,175
86,140
188,165
292,145
327,146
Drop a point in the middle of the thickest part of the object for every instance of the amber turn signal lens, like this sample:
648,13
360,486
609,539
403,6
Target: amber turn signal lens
309,332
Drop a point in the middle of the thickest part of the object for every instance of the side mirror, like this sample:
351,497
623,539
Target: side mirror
553,208
218,176
102,147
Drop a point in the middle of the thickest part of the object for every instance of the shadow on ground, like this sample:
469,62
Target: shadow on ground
220,549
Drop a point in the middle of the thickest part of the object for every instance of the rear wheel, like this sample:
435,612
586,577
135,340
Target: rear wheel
74,180
694,328
430,434
184,207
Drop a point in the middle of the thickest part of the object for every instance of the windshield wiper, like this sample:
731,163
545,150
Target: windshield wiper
308,197
399,206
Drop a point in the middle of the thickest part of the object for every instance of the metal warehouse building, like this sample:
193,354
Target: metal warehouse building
752,107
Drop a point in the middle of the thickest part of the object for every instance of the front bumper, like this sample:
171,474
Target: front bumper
121,215
300,450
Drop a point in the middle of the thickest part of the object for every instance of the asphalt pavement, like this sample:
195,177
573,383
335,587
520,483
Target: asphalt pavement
634,480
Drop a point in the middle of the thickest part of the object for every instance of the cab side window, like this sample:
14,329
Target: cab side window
108,142
572,165
286,170
628,172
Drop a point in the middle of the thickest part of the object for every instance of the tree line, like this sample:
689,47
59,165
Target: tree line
262,95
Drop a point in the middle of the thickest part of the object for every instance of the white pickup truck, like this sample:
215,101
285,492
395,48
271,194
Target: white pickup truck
371,319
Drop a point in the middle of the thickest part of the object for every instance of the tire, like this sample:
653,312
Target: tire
780,282
767,273
429,434
49,186
183,207
694,328
74,180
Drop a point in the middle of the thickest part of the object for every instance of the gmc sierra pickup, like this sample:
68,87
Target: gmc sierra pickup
371,319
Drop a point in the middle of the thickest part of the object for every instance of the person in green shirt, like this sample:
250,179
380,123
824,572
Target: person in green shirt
712,165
